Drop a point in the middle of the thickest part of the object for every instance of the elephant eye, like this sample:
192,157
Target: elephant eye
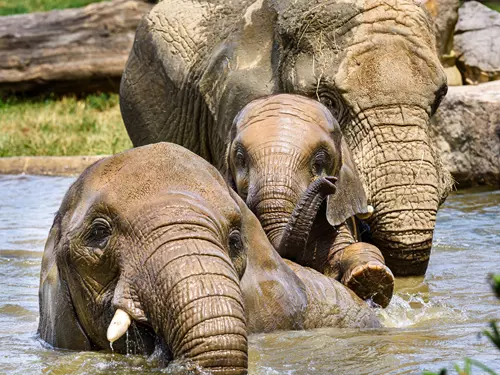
240,158
334,102
235,243
440,94
326,101
236,252
99,233
321,162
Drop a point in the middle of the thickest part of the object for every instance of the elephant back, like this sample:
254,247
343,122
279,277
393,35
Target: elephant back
160,98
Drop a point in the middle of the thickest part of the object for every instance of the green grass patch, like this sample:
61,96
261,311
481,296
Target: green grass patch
9,7
495,5
62,126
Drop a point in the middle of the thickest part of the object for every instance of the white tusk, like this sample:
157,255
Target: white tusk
118,326
367,214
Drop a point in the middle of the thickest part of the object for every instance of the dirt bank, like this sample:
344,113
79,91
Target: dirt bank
47,165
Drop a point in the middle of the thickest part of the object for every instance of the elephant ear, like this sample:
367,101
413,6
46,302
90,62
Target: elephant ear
275,298
58,324
241,67
349,198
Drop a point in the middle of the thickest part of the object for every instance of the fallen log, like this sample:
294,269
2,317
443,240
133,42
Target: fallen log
72,50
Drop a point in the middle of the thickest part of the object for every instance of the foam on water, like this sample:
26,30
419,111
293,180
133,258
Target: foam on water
413,310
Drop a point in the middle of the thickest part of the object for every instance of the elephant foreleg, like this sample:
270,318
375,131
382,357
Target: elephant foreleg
361,267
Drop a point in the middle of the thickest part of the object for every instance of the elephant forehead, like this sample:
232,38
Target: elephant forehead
285,110
149,174
146,170
183,208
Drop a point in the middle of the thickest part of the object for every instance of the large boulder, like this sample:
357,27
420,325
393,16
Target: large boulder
466,129
444,13
477,43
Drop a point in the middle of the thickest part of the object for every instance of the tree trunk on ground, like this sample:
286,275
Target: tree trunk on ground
72,50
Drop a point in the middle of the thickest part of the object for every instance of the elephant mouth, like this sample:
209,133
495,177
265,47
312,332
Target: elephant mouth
129,336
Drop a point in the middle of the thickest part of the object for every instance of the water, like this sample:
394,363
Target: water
431,323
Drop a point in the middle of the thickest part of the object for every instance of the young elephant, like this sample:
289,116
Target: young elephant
287,155
154,238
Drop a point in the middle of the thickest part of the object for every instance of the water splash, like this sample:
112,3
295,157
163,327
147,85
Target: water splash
407,310
184,367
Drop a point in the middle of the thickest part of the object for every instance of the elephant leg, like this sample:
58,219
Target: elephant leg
360,266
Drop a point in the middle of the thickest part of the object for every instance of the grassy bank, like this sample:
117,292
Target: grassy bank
64,126
9,7
495,5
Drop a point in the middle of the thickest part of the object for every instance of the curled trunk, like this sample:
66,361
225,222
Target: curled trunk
197,307
294,237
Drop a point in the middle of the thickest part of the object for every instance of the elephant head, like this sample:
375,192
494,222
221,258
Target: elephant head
286,155
374,65
154,243
151,239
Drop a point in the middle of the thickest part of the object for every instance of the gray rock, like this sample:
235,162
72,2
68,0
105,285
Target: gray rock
477,42
444,13
466,130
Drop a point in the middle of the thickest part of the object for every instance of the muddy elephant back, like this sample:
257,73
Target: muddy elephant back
160,98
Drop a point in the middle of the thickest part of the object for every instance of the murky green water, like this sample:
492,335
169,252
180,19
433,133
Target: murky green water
431,323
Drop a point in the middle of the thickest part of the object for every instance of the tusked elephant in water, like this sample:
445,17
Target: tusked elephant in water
154,239
288,160
195,64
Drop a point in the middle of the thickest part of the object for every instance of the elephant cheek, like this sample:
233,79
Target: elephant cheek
195,303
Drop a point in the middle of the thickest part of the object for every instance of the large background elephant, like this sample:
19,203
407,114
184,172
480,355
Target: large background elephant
195,64
154,237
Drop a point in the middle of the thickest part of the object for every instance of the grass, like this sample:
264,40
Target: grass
63,126
495,5
9,7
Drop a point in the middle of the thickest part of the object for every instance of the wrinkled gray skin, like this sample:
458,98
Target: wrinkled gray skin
195,64
155,231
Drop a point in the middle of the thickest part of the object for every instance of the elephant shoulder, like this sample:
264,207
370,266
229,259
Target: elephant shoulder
182,34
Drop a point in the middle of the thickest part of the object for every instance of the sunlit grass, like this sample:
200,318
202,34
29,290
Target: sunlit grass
64,126
8,7
495,5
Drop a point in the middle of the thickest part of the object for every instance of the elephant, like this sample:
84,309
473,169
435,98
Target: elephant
195,64
286,156
154,240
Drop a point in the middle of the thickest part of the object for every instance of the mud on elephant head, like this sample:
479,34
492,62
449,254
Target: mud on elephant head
153,239
195,65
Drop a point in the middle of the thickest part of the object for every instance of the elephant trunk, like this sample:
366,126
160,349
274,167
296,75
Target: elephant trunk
196,305
273,204
403,182
294,238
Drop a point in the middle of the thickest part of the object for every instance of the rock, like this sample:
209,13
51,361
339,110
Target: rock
444,14
466,130
477,43
453,76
